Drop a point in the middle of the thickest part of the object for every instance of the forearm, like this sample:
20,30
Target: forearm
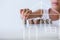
35,14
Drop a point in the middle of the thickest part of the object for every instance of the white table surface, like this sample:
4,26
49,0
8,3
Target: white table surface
43,32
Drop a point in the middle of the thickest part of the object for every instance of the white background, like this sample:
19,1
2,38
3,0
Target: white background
11,25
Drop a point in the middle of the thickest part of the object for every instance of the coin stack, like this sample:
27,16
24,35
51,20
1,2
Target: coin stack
38,21
41,21
30,21
48,21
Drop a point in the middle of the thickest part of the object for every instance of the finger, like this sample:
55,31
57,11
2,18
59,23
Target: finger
28,13
21,10
24,10
27,9
27,16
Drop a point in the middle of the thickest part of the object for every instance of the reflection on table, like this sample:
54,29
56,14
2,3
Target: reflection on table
40,31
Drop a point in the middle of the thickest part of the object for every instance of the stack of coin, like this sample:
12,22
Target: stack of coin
41,21
37,21
48,21
30,21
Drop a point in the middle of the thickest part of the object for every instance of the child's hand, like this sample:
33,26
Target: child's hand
25,13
